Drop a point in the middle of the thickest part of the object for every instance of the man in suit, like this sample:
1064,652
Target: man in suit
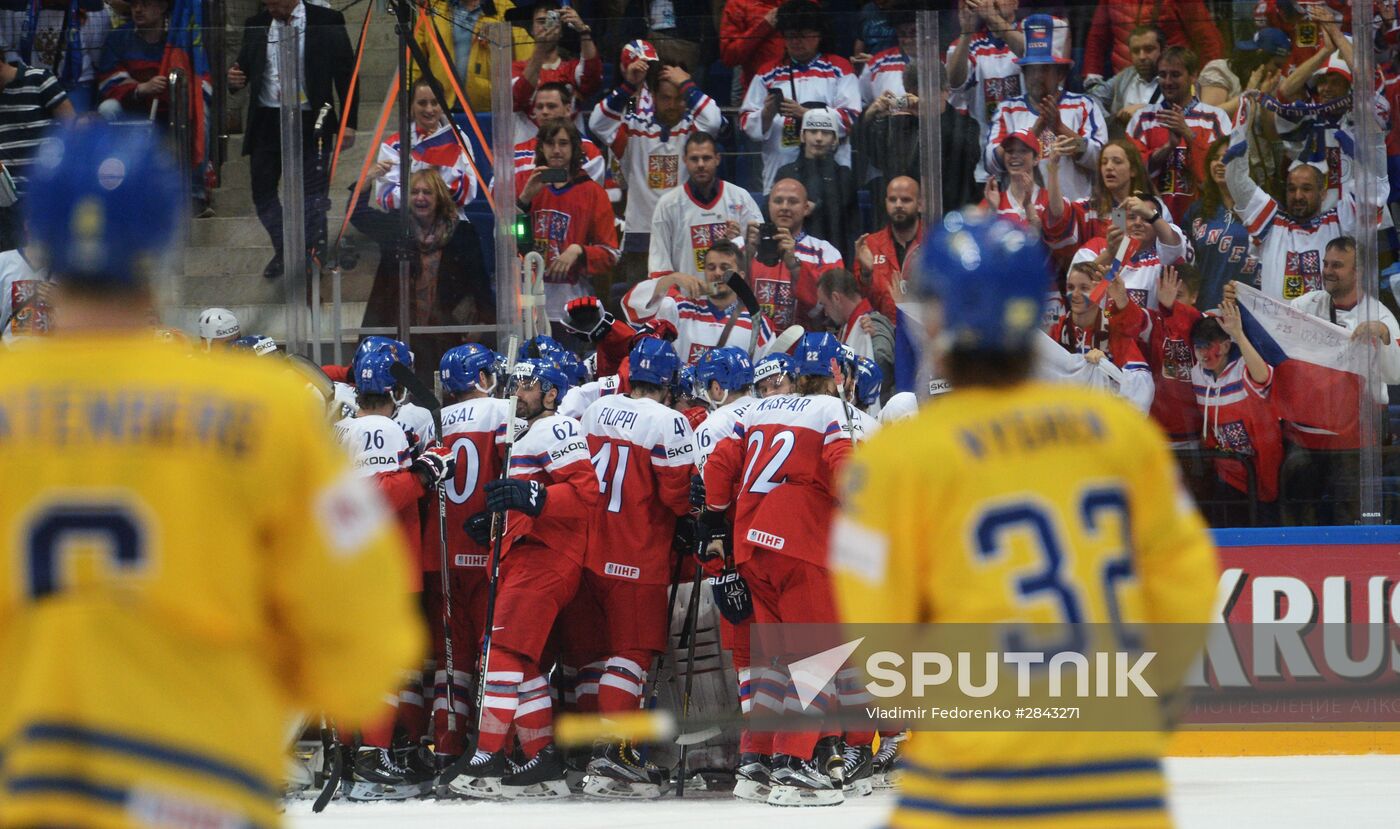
323,37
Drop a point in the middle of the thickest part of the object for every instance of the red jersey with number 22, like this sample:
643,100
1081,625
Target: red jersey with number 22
644,454
780,463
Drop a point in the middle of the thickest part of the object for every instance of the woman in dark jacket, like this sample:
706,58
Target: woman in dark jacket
448,283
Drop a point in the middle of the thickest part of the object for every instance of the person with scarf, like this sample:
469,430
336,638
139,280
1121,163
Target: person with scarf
447,282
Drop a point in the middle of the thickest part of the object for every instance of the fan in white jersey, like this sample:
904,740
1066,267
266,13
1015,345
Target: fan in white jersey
698,308
705,209
1289,240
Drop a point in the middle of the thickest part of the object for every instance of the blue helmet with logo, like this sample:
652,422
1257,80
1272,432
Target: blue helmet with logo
685,385
395,347
869,379
728,366
989,275
773,365
537,369
541,345
374,374
816,352
258,344
653,361
461,366
104,203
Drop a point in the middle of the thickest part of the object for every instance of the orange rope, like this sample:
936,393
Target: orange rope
461,97
369,157
350,95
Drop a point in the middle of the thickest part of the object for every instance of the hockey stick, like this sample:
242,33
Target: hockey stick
692,614
741,289
493,573
424,397
333,765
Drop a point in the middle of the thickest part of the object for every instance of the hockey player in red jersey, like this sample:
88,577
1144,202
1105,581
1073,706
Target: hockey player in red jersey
778,468
474,434
643,453
381,449
548,502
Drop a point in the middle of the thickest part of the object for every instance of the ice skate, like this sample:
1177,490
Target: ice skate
540,777
883,767
856,774
378,775
476,776
796,782
752,778
617,772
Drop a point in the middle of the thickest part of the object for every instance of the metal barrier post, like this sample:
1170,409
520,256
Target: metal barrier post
508,321
180,135
1370,158
293,191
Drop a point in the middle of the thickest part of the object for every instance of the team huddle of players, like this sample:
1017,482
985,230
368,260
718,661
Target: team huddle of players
614,487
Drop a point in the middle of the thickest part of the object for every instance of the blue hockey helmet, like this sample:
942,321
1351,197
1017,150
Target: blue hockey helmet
685,385
104,203
258,344
653,361
374,375
541,345
989,275
869,379
461,366
537,369
398,348
729,366
816,352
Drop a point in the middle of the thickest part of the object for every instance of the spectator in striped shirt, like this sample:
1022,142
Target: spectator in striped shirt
31,99
1176,132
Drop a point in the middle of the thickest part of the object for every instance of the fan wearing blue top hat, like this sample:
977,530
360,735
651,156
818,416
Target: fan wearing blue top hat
1068,125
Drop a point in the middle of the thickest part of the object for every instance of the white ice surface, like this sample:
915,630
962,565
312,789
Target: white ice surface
1206,793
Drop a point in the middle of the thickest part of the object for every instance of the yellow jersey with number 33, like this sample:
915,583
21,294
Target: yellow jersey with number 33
186,565
1034,503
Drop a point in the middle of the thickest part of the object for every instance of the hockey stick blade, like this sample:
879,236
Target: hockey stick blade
417,389
313,374
786,340
335,769
741,289
695,738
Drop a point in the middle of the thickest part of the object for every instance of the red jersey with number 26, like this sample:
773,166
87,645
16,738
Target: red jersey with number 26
475,432
644,454
780,463
554,453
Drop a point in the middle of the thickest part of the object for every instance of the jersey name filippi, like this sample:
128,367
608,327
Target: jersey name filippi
621,418
1032,430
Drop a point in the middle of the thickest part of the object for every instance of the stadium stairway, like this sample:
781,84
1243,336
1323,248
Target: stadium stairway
226,253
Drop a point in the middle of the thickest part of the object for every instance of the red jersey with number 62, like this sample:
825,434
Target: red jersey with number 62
475,432
780,463
643,454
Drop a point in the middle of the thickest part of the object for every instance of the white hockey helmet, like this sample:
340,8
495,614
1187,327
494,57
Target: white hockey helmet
218,324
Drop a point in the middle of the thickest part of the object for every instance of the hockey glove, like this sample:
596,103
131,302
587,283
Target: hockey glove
684,540
732,597
512,493
697,492
585,316
713,542
433,467
478,528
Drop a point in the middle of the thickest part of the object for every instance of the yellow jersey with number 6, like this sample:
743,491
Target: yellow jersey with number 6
1033,503
186,565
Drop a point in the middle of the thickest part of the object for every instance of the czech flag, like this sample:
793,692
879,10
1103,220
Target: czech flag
1319,373
184,49
439,149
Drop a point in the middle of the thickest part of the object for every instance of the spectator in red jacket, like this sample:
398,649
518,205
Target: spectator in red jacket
748,37
547,21
1184,22
572,220
880,256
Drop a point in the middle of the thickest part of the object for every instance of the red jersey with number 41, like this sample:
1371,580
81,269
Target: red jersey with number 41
475,432
643,454
780,463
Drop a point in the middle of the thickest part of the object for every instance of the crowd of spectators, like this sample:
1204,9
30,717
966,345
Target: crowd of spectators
1163,151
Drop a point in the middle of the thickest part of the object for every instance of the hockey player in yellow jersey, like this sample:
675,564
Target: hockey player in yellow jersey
186,562
1010,500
